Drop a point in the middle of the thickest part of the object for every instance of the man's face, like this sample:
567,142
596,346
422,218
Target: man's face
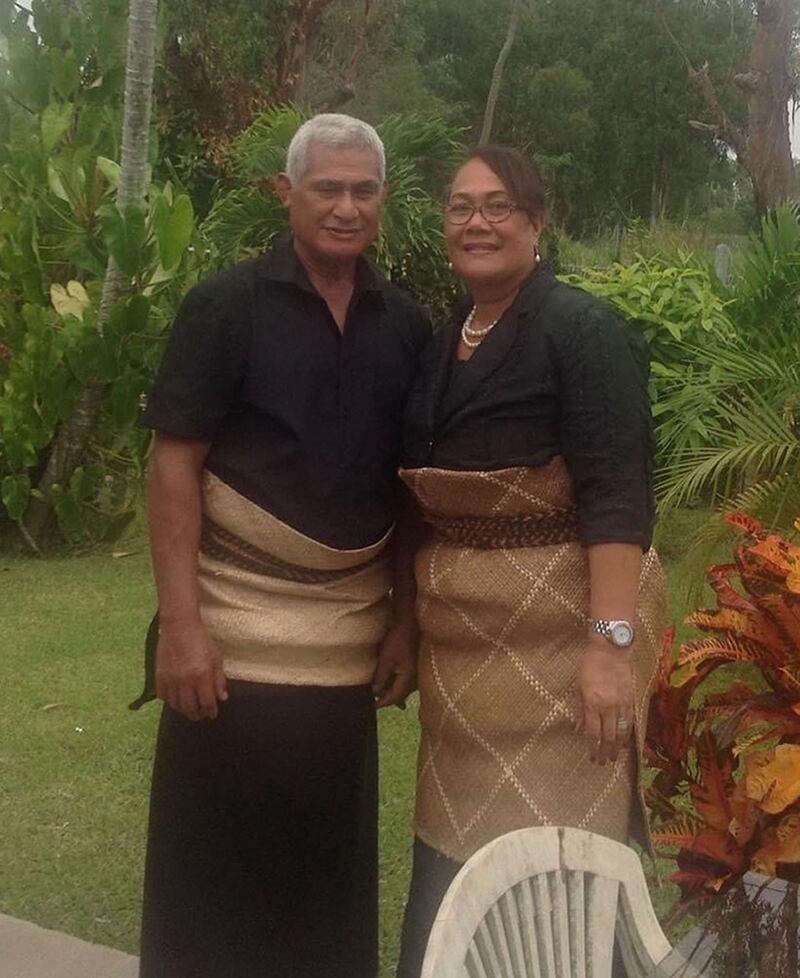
334,211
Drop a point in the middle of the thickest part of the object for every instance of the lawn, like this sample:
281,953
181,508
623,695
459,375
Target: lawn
74,761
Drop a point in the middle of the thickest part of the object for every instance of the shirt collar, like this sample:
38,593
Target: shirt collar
281,264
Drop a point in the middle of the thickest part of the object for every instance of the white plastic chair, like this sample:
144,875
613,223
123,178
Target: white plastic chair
546,903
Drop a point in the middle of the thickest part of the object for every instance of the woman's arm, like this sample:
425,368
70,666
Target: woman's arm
605,676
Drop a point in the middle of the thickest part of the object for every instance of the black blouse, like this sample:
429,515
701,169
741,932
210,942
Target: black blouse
562,373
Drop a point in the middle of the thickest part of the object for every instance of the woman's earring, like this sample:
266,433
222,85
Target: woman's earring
449,266
537,257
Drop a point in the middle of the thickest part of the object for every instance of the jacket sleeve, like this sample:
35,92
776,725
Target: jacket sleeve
606,426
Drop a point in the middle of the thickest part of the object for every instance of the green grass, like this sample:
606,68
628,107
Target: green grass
75,762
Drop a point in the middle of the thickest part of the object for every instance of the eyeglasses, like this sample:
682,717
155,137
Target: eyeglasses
493,211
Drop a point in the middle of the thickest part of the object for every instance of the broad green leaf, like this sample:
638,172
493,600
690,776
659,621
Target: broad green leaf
68,510
15,492
174,226
69,301
83,482
55,183
66,73
56,120
125,235
110,169
125,396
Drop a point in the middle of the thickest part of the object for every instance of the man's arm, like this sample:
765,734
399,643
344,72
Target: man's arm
189,674
396,673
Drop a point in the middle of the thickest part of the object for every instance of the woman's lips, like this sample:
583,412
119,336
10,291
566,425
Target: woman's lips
480,249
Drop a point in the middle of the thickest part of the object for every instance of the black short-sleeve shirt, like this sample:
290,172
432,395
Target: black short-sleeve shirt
303,419
562,373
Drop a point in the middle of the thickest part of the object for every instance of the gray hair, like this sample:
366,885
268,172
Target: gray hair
335,130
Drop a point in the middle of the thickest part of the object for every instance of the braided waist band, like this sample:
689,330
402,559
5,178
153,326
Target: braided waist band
220,544
507,532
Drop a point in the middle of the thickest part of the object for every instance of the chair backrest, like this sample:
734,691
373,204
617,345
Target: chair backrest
546,903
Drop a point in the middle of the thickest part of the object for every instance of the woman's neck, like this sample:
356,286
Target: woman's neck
492,302
493,298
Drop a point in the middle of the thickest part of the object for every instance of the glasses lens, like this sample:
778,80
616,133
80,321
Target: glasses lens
459,213
497,210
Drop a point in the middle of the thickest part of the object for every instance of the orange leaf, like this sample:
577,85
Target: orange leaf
725,648
775,555
781,845
679,831
752,626
776,784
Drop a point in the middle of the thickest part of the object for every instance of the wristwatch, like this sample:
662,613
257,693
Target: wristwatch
620,633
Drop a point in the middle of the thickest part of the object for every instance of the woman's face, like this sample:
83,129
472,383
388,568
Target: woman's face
484,253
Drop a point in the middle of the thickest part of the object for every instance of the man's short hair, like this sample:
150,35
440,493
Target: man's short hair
337,131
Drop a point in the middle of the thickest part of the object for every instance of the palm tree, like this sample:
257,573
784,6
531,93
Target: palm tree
745,392
70,443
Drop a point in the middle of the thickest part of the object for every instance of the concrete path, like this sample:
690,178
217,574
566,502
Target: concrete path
28,951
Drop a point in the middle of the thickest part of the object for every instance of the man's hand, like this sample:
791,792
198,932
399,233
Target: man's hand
605,699
396,673
189,674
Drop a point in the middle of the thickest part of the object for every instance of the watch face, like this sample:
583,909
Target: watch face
622,634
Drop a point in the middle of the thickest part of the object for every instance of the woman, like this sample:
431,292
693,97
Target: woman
528,448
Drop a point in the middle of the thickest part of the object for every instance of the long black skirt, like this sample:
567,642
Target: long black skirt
262,845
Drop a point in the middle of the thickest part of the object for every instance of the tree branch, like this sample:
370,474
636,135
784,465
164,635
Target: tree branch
701,79
497,74
22,105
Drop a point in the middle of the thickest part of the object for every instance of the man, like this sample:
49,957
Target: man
272,497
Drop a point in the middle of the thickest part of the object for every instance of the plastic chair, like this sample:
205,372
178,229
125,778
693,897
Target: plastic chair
546,903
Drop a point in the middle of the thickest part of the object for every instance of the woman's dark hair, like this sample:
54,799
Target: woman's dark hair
521,176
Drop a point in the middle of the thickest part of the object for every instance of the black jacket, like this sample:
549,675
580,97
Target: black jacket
562,373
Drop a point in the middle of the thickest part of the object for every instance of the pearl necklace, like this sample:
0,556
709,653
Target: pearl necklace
473,337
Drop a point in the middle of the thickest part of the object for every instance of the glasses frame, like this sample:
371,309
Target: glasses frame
479,209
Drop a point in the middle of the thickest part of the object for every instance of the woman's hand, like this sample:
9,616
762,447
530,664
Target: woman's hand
605,699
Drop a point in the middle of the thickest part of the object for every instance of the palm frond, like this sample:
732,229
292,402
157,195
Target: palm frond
260,151
242,222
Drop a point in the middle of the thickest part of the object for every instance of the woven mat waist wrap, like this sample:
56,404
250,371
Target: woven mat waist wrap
285,608
498,532
224,546
503,633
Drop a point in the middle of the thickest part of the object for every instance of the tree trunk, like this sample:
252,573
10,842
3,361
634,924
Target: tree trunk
69,447
304,20
764,149
769,85
497,74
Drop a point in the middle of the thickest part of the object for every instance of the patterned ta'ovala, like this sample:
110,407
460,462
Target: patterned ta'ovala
503,630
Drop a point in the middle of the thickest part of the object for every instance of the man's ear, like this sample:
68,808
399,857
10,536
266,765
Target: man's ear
283,188
384,192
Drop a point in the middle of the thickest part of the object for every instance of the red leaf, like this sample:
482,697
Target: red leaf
718,576
746,523
711,791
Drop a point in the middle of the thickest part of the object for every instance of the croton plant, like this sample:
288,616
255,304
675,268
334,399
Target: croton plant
725,748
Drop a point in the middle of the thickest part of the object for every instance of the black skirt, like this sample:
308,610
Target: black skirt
262,845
